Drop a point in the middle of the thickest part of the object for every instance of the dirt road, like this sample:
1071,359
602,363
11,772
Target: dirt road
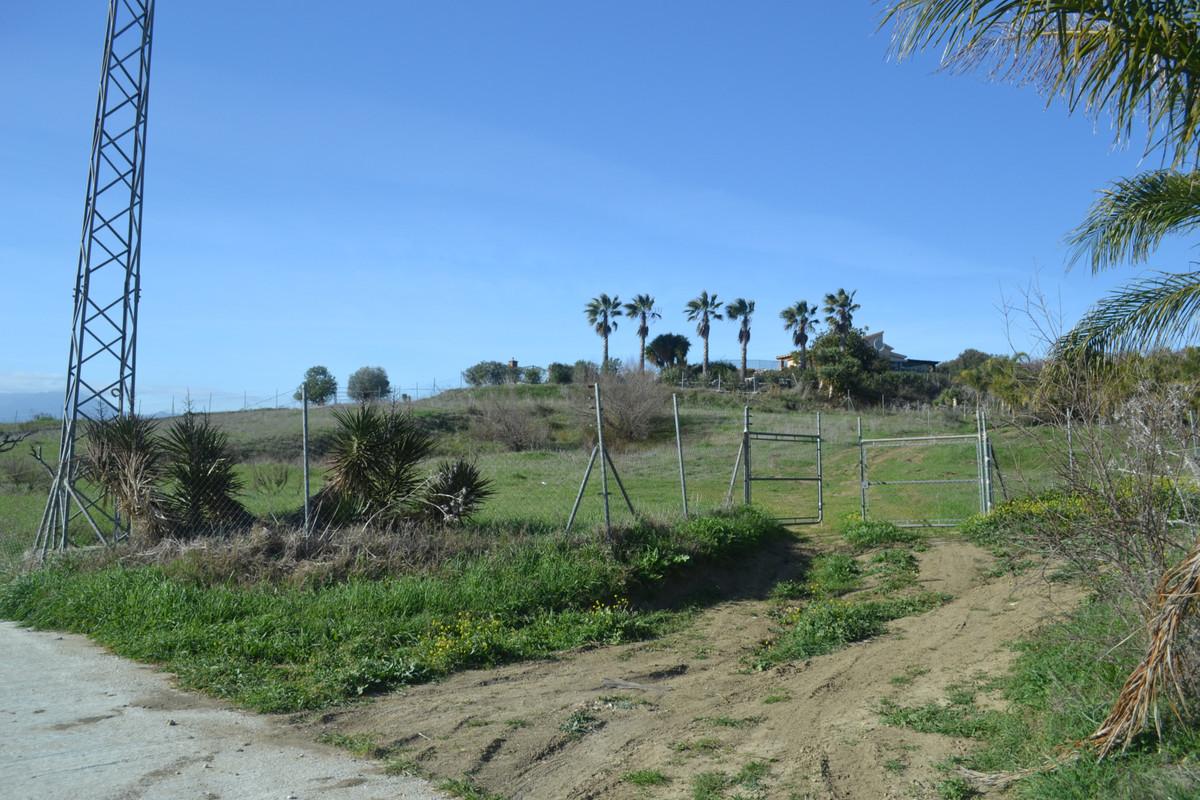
78,722
582,726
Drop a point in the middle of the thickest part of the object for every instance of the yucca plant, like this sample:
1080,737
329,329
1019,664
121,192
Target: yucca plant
455,491
201,479
375,455
125,459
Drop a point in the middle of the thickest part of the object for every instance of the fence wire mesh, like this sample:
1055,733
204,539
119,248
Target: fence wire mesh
245,468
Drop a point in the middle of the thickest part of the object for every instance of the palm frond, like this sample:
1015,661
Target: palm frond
1132,216
1137,60
1156,312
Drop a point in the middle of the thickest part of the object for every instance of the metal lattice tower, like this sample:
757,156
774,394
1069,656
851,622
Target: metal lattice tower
101,369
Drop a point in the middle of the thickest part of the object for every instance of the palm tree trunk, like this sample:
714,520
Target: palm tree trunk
803,356
642,356
604,362
743,362
704,366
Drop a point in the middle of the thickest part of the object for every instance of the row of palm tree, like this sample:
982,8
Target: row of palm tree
799,318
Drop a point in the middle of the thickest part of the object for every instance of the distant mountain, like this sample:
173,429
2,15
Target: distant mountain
22,406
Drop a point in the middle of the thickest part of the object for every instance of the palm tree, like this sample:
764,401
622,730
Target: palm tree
702,310
602,313
839,311
1134,59
742,309
799,320
642,308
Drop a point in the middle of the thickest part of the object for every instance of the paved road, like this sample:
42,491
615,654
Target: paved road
78,723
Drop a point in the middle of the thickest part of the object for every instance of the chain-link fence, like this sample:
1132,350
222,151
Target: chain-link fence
198,473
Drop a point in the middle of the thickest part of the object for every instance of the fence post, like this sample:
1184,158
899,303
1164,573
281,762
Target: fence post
603,462
679,452
987,465
746,456
1070,444
862,472
820,476
304,442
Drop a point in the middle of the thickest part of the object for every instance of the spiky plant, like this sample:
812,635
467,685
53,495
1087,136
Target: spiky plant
742,309
202,482
798,318
643,310
374,460
125,459
702,310
602,312
455,491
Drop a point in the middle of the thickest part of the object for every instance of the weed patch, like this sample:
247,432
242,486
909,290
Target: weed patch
826,625
867,534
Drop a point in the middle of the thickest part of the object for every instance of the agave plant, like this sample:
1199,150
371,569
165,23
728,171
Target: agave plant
375,455
455,491
125,459
201,479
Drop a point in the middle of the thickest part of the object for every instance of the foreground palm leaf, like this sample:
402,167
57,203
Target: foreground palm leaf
1139,60
1156,312
1131,218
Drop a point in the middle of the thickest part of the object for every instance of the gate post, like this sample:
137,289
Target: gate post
746,456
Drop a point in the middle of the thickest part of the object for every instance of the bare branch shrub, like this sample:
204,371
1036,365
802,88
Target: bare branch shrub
635,408
515,423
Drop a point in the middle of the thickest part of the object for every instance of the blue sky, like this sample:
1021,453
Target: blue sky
422,186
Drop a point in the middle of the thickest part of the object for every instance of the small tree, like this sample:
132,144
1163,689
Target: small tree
602,312
643,310
532,374
668,350
321,385
742,309
559,373
843,361
702,310
368,383
486,373
585,372
798,318
201,477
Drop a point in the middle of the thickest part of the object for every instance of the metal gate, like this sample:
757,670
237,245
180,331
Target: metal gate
744,461
982,479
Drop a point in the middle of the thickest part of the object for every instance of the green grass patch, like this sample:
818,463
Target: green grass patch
646,777
868,534
1063,681
832,575
823,626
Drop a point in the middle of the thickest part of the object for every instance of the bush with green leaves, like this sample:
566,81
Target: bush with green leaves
866,534
368,383
559,373
320,385
488,373
455,491
375,455
125,458
202,481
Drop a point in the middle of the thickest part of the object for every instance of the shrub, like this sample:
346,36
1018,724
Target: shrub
585,372
374,460
533,375
728,532
201,478
487,373
455,491
559,373
368,383
508,421
321,386
635,406
125,458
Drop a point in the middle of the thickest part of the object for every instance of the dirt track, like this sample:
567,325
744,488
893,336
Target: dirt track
654,704
79,722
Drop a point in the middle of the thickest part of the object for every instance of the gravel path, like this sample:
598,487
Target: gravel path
77,722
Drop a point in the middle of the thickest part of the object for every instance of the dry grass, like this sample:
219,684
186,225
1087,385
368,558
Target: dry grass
1161,666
